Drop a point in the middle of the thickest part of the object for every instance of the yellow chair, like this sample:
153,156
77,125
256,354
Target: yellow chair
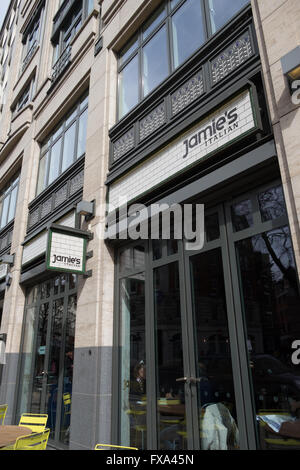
67,409
34,441
67,402
111,446
3,409
36,422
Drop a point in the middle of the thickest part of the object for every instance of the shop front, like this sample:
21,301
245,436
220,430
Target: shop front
46,369
52,261
207,336
204,337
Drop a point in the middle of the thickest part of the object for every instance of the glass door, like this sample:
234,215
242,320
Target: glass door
206,337
47,359
214,381
268,296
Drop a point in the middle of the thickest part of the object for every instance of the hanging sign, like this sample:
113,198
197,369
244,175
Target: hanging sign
66,249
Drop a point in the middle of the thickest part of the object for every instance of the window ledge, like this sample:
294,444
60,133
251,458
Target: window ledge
31,54
22,110
13,139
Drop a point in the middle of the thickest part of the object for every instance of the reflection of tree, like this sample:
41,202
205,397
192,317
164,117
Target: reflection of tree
288,272
272,203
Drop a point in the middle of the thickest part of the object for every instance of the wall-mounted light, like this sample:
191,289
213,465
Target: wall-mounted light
7,259
86,208
290,64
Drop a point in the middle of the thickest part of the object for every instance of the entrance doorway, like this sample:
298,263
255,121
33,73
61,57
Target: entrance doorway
205,337
47,356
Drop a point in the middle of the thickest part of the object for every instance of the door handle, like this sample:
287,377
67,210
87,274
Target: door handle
195,380
189,380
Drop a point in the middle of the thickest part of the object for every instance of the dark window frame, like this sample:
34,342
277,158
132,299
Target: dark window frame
5,193
59,132
74,18
24,97
142,42
32,35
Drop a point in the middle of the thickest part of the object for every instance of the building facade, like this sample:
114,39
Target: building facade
108,110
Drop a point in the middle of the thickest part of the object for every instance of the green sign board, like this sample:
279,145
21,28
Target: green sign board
66,250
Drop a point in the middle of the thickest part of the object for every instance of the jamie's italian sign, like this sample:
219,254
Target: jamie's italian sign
230,122
66,250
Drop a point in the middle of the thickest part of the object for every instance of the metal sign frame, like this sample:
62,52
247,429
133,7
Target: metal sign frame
70,232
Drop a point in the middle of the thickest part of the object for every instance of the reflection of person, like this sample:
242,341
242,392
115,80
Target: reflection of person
69,364
137,404
138,385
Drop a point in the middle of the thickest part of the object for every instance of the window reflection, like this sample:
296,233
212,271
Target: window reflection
170,392
154,21
64,145
155,61
82,134
133,426
47,355
242,217
222,10
128,86
272,203
216,398
271,305
8,201
55,161
212,229
178,28
187,30
68,151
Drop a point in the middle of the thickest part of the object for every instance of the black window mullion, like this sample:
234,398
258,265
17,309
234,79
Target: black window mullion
47,170
141,81
61,135
8,207
206,17
170,43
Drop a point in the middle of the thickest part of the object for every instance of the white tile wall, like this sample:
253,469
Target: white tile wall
170,161
66,246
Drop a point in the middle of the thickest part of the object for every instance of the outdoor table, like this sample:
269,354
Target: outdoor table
9,434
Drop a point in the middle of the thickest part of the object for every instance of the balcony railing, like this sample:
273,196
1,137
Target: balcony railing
29,56
61,64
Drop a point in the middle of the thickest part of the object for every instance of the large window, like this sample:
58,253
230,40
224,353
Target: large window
24,97
171,35
71,25
31,36
8,201
64,146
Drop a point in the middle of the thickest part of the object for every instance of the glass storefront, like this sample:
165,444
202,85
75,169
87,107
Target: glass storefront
47,354
199,332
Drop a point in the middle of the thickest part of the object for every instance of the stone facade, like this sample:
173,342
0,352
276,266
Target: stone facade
278,33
